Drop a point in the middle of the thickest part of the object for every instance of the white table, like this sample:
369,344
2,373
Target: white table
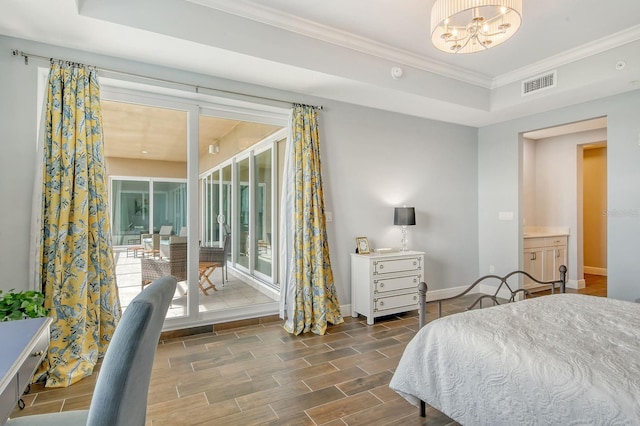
23,345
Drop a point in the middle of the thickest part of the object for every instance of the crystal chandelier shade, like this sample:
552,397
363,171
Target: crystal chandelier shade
467,26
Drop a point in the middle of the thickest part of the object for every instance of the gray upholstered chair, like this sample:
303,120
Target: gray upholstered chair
120,395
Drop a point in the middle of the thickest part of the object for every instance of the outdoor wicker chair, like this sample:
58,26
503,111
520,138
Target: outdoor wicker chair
151,242
175,266
217,254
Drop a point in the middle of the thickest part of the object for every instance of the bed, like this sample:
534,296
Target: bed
561,359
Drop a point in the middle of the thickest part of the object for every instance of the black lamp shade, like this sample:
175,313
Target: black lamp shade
404,216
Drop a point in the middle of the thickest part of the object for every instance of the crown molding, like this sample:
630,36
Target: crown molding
598,46
270,16
305,27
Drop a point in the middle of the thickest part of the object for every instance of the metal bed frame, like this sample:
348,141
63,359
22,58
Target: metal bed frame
515,294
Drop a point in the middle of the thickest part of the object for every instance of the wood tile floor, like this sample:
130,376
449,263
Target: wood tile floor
260,374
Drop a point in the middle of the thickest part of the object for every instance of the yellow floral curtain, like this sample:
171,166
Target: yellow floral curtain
77,271
309,294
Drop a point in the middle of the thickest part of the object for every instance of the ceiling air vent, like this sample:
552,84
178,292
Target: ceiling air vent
541,82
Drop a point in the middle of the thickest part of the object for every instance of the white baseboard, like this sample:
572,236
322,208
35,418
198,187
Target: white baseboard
576,284
345,310
448,292
595,271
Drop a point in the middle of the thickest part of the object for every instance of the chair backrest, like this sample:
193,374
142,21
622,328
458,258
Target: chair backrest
120,395
216,254
227,245
165,230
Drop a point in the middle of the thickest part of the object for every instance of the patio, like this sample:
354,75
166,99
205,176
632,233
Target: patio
233,294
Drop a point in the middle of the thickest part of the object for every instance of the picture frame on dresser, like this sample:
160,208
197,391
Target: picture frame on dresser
362,245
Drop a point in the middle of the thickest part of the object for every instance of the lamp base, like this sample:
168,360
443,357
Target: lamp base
404,238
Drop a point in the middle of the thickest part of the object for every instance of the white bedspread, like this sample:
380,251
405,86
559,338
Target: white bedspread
554,360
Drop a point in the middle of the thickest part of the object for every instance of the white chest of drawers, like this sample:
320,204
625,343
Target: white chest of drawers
24,345
385,284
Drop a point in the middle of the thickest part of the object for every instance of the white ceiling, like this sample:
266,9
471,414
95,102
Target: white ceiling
550,27
345,50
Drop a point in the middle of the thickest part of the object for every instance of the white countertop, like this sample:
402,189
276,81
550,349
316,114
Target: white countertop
544,234
544,231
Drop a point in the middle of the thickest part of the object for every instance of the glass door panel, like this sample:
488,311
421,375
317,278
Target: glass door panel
214,205
242,231
211,209
129,211
226,219
263,219
170,206
205,211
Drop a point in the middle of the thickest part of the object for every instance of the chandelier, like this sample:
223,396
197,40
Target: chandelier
467,26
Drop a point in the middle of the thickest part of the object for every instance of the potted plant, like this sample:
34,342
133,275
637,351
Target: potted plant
15,305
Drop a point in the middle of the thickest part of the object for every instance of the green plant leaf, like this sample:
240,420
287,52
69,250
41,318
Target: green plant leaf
18,305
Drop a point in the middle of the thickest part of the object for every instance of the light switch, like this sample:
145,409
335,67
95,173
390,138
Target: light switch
328,216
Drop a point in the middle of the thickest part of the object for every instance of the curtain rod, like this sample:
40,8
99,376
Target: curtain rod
26,56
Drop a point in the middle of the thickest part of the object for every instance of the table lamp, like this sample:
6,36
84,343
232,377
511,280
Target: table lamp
404,216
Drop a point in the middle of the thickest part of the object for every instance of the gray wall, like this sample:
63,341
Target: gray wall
372,161
499,177
18,128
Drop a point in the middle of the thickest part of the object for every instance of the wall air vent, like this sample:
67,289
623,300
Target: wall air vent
541,82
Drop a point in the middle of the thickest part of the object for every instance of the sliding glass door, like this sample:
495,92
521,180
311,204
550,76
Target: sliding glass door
170,206
135,212
247,208
192,171
129,211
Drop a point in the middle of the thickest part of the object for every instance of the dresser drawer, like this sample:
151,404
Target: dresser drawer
406,282
25,374
390,266
408,301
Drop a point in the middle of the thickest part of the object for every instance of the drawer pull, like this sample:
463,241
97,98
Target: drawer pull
415,263
381,285
415,280
381,303
39,353
381,266
415,297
